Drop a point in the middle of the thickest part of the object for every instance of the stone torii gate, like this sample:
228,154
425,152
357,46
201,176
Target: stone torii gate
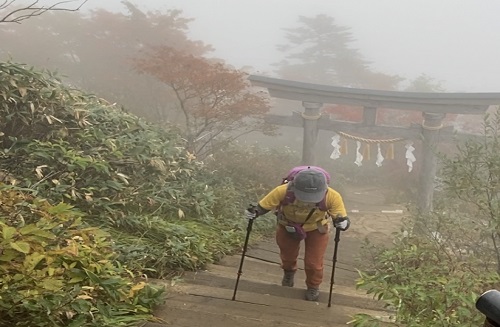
434,107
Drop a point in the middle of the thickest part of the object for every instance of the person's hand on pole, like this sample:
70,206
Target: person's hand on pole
251,212
342,223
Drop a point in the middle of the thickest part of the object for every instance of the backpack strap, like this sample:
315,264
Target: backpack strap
309,215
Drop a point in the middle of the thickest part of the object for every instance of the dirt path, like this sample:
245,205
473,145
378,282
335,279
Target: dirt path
372,217
205,297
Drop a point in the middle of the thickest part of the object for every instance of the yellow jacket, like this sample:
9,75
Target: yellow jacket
298,211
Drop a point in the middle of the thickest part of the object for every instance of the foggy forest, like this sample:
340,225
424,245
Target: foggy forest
132,151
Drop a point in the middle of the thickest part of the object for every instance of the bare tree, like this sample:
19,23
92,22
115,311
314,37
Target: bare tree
21,13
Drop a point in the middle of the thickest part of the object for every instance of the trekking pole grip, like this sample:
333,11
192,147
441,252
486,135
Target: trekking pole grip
489,323
489,305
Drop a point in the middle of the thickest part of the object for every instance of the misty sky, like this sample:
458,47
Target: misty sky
453,41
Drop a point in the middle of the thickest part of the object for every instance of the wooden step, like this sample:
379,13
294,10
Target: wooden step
257,285
273,274
271,306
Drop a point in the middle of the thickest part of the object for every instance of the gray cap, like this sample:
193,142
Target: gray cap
309,185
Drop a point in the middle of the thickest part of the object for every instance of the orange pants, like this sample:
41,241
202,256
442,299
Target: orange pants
315,247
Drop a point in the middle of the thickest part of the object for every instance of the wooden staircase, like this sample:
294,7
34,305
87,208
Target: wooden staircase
204,298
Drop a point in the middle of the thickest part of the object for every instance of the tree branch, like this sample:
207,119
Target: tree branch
32,10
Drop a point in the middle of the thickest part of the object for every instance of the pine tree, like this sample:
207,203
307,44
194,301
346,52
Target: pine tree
319,51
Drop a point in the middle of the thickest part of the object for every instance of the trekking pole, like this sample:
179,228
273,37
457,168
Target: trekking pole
337,239
240,271
489,305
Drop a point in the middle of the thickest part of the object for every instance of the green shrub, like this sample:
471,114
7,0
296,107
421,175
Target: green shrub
56,271
254,170
471,177
434,275
166,211
425,284
171,247
69,146
241,175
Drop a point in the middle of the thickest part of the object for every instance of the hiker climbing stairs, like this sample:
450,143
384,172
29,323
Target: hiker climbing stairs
204,298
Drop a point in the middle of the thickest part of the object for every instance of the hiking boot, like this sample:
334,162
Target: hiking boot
287,278
312,294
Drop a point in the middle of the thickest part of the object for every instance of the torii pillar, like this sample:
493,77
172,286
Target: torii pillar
431,126
310,117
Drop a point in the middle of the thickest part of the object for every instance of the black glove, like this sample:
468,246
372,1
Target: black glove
342,223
